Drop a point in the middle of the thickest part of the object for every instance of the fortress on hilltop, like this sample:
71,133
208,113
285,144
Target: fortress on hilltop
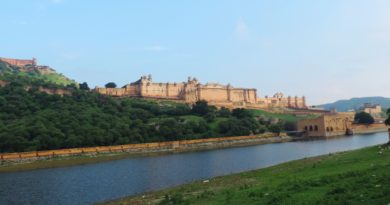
192,91
19,62
27,65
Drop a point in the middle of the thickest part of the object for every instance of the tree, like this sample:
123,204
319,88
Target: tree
201,108
110,85
387,122
364,118
275,128
84,86
224,112
241,113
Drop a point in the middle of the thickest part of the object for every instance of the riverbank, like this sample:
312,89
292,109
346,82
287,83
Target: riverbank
354,177
69,157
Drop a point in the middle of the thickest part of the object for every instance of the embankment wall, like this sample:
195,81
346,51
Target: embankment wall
362,129
184,145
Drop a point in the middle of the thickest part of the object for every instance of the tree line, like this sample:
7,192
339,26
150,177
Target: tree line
32,120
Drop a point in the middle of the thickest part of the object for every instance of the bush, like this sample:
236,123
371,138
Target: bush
242,113
364,118
224,112
275,128
84,86
200,108
110,85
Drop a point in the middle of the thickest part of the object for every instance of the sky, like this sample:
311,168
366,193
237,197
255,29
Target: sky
325,50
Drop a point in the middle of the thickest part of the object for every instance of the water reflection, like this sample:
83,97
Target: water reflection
91,183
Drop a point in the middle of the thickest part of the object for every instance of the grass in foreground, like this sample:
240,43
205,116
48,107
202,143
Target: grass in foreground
354,177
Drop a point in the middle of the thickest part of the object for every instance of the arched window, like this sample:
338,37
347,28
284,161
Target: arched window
315,128
305,128
311,128
327,129
331,129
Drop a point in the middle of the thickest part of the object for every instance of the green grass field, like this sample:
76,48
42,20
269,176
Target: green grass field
281,116
354,177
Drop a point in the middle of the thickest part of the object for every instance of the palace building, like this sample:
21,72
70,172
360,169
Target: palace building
192,91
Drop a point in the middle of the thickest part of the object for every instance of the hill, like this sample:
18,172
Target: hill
41,109
43,73
31,119
356,103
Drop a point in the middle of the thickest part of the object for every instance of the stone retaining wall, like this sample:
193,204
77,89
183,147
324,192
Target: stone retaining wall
184,145
362,129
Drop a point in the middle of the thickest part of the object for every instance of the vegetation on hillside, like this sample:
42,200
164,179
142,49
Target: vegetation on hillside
32,120
355,177
32,73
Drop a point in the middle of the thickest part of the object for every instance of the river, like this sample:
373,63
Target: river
91,183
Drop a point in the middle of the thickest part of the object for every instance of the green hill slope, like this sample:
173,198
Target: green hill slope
43,73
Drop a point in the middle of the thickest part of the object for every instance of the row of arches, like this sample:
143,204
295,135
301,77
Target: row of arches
314,128
329,129
311,128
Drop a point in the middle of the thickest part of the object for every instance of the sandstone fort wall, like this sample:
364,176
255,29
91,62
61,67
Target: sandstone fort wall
19,62
192,91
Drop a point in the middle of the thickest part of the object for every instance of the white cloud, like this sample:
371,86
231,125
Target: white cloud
242,29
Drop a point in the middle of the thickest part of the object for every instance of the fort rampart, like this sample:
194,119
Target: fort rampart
192,91
19,62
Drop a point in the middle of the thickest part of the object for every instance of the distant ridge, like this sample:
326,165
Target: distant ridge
356,103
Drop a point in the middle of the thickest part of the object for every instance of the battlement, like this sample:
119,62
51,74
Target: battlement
192,91
19,62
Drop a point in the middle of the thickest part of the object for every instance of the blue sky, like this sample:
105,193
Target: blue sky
326,49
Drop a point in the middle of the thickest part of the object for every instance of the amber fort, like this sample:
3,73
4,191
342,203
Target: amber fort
192,90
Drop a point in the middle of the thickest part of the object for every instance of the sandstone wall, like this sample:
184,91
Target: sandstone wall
326,125
55,91
162,90
18,62
291,102
149,147
116,92
214,94
192,91
362,129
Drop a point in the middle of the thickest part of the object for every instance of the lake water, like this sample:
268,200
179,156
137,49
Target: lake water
91,183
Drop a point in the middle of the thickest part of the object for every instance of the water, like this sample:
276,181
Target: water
87,184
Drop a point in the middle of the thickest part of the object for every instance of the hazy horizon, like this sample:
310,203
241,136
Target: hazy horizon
324,50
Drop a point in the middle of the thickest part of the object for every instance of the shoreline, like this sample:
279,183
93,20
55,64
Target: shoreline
320,173
96,156
56,161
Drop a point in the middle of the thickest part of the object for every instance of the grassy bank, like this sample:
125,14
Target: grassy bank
354,177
